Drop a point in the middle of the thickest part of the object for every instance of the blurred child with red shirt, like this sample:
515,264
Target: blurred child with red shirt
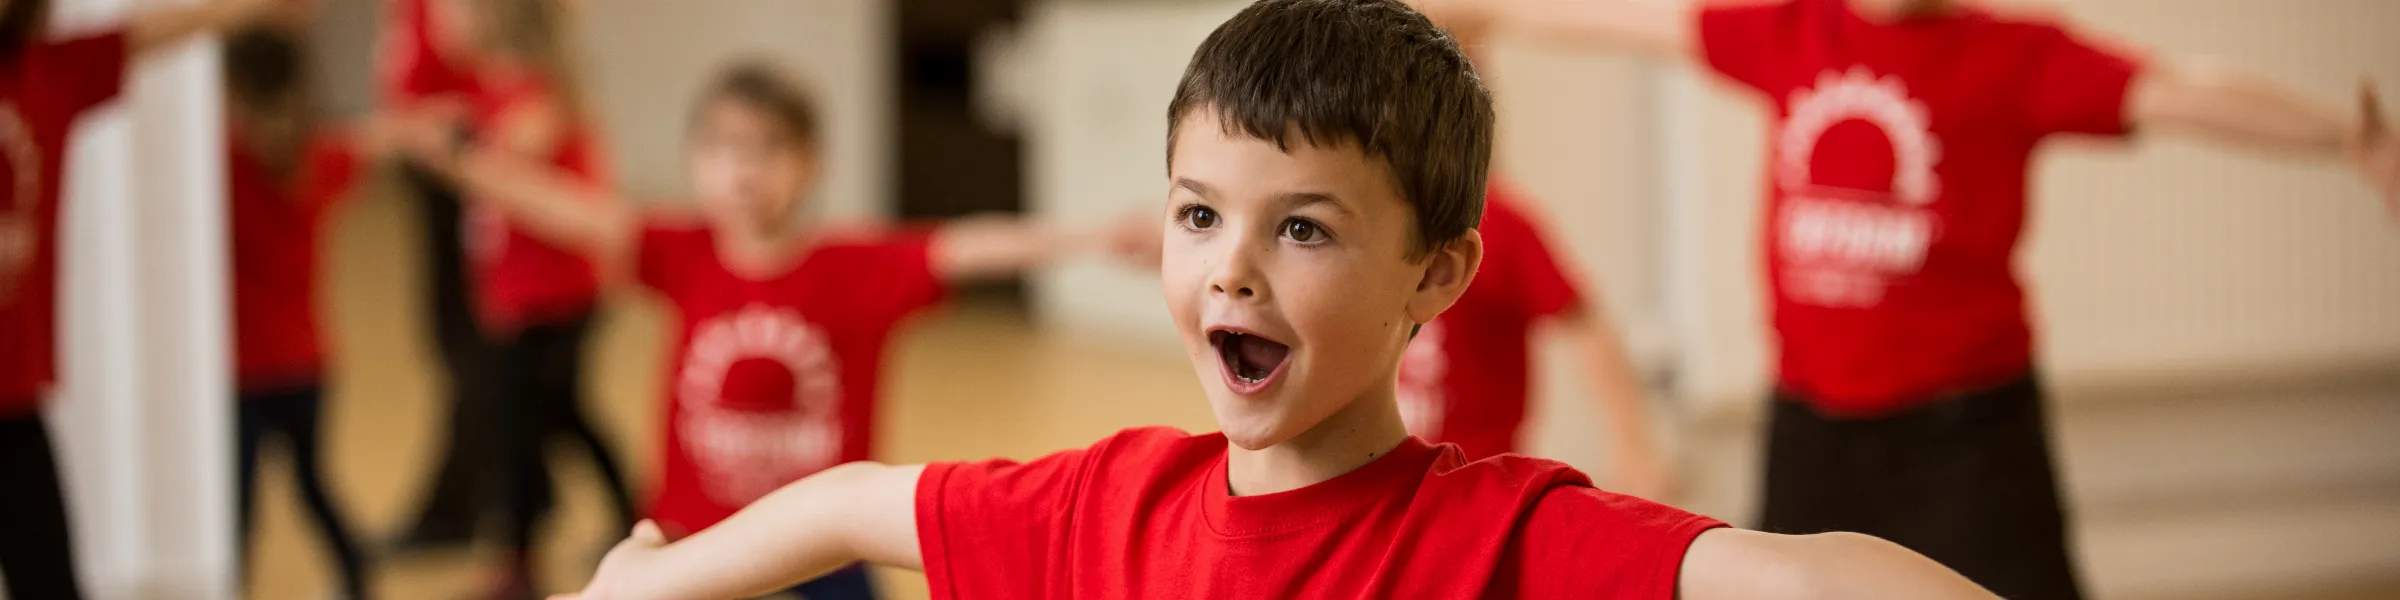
1906,403
46,84
785,322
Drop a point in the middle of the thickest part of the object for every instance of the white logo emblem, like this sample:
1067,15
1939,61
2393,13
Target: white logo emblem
1841,246
745,452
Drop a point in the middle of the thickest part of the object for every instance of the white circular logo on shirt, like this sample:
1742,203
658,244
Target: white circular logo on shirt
1838,246
1423,368
1859,95
745,432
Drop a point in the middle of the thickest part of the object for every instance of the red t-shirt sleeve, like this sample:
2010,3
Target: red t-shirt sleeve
665,252
2078,86
329,168
1742,41
1582,542
990,528
1544,288
88,70
893,276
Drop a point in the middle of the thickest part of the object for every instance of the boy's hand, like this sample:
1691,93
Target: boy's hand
2377,149
626,571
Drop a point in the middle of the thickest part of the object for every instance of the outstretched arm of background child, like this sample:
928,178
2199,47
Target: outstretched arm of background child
1640,465
555,207
157,28
1659,28
854,512
1735,564
2243,109
985,247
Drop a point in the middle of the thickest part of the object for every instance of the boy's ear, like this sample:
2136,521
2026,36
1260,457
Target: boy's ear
1447,273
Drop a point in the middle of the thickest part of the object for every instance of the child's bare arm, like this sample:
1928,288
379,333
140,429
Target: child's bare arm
2240,108
555,207
1659,28
1730,564
854,512
984,247
1640,466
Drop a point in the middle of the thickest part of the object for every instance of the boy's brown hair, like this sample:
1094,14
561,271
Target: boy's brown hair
1372,72
759,84
21,26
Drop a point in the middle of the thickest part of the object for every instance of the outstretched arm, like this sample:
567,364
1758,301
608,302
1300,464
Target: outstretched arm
1641,467
857,511
2243,109
1735,564
555,207
984,247
1659,28
157,28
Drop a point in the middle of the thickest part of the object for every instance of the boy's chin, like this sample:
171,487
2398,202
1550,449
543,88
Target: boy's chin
1250,427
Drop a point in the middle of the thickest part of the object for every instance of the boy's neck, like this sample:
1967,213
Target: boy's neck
761,252
1366,429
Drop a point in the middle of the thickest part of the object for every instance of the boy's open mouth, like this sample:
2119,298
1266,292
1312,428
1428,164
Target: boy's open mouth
1249,360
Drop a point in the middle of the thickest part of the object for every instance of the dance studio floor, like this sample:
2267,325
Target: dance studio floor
968,381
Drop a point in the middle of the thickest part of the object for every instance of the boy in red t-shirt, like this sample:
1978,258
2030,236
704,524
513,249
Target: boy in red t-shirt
285,173
1326,164
1906,404
784,324
45,86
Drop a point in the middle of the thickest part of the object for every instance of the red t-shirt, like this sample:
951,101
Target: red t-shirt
409,67
276,225
1146,514
522,279
1464,378
773,379
1898,176
42,90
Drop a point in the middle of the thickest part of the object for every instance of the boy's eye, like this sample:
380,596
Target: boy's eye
1303,230
1197,218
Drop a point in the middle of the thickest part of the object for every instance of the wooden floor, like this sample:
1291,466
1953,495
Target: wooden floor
963,383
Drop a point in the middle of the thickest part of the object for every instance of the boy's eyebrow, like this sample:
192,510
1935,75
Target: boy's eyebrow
1196,187
1300,200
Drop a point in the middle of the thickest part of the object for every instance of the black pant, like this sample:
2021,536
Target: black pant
1966,481
451,509
296,415
542,369
36,554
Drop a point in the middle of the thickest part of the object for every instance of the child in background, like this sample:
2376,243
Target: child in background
1465,378
1906,405
784,322
45,85
535,299
286,173
1326,164
414,74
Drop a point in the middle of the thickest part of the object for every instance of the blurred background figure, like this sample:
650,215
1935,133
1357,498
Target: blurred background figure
287,171
2219,338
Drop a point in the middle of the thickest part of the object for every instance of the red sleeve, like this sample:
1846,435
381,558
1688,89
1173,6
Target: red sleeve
664,253
409,67
991,528
2078,86
894,277
1543,288
330,168
88,70
1587,543
1741,41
